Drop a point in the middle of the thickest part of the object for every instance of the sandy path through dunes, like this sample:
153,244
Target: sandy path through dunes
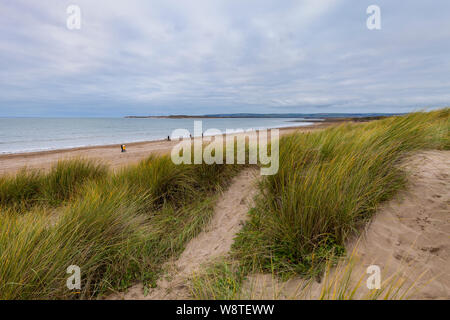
213,242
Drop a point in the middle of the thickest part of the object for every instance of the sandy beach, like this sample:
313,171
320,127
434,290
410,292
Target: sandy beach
108,154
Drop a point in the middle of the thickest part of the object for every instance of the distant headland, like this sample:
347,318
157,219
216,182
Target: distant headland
309,116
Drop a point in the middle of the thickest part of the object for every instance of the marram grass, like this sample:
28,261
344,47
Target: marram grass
119,228
122,227
31,187
329,183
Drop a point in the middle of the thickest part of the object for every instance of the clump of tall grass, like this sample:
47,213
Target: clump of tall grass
21,189
161,179
95,232
328,184
166,182
66,178
119,228
28,188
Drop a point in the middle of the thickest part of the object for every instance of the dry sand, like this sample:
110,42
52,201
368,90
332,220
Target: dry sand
412,232
409,235
110,154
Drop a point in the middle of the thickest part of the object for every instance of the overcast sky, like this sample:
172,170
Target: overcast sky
222,56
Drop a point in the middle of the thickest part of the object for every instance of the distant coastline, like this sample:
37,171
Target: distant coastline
305,117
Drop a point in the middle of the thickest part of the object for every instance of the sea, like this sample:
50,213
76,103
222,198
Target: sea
19,135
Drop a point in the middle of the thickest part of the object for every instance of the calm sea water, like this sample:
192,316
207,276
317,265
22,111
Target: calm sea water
36,134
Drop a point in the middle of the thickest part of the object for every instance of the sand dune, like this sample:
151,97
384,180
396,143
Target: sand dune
412,232
408,236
